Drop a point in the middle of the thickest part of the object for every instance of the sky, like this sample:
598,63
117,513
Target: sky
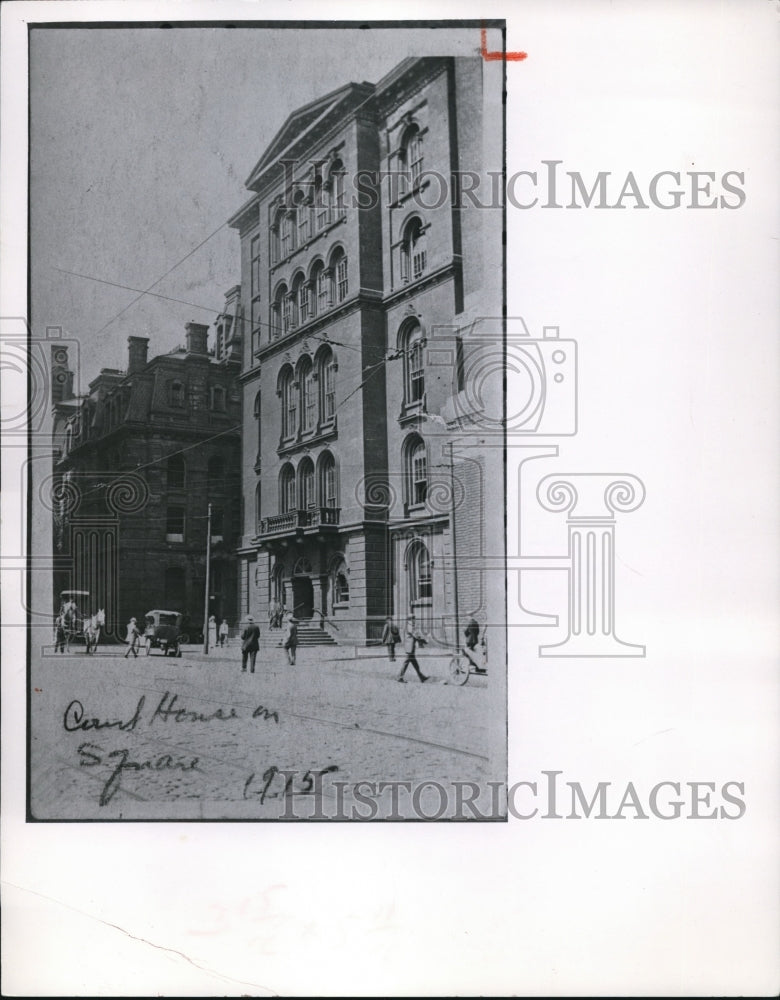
140,143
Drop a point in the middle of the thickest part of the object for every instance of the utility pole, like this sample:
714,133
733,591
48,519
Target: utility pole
454,548
206,598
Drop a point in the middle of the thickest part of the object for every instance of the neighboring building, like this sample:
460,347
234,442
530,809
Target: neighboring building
136,462
348,378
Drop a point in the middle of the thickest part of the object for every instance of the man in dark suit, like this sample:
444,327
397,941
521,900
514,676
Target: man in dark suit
412,638
250,643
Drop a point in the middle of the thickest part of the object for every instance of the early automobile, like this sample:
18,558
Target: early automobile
163,631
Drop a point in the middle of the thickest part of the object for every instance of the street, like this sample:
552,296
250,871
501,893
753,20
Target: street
332,737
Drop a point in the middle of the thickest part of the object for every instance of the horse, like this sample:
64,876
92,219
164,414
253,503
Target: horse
92,627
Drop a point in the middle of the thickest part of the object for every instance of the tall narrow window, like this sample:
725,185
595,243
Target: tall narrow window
323,291
286,314
176,472
309,396
303,302
175,394
322,204
289,405
276,236
295,301
255,318
304,223
256,414
414,251
174,524
288,233
328,386
418,564
287,490
307,495
416,468
413,345
337,190
338,266
328,490
410,155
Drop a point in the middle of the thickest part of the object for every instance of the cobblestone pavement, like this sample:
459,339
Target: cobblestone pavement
195,738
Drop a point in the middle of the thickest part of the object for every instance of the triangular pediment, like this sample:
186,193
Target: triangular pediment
305,119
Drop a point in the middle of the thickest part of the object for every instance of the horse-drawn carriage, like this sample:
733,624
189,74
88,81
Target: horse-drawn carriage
73,624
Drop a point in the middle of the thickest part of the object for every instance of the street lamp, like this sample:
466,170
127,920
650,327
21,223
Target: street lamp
206,589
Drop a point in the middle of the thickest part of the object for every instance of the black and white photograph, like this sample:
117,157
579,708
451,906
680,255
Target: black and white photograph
272,325
390,422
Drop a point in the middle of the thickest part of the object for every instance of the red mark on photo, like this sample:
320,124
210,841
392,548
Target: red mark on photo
492,56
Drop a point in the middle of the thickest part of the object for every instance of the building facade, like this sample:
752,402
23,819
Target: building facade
137,461
361,277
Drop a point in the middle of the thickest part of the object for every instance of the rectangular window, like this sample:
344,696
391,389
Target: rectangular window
416,374
418,262
304,219
255,266
286,315
174,524
425,584
415,158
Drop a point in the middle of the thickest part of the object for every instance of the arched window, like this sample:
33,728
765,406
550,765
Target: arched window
414,251
175,393
328,488
307,498
280,312
296,313
410,155
258,514
288,233
416,471
256,414
176,472
276,236
340,582
302,206
287,489
412,345
306,376
327,375
338,268
337,200
321,287
420,580
289,396
300,296
216,472
321,203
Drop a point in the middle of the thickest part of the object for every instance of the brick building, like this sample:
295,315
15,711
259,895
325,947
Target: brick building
136,462
362,274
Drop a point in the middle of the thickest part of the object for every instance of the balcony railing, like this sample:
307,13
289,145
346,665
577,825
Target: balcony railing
310,519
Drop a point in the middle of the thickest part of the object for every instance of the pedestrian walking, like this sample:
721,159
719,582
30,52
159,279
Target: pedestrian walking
471,632
291,639
133,639
390,638
212,632
59,634
224,630
250,643
412,639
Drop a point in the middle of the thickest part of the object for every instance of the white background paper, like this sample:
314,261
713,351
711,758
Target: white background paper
676,318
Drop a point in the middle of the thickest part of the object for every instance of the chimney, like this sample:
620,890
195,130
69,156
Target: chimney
62,376
137,348
197,338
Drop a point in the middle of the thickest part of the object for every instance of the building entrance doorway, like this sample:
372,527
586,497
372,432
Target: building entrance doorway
303,597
